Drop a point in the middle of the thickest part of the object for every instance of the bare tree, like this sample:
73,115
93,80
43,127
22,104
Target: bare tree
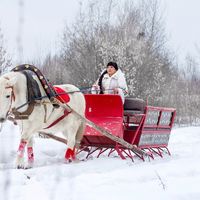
54,70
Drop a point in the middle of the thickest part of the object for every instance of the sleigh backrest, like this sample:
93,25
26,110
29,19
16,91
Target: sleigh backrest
105,111
102,105
147,126
157,126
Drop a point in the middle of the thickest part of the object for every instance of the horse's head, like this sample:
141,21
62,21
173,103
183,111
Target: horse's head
6,95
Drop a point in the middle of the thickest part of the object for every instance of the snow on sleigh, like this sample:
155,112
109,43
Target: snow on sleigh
134,129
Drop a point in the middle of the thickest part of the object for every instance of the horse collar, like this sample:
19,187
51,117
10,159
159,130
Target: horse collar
25,114
17,114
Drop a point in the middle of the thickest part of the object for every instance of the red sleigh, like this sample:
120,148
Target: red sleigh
146,127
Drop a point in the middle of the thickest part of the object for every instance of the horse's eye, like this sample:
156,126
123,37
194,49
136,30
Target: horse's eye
7,96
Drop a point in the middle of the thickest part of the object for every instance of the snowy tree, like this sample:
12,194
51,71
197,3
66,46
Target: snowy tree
190,111
133,35
130,34
5,61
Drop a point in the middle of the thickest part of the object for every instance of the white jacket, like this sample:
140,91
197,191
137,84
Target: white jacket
117,80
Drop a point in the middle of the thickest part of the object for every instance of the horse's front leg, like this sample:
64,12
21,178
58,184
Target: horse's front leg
20,154
30,153
20,163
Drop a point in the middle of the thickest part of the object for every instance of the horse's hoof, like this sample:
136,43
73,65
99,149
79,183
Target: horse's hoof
29,165
20,163
20,167
68,161
74,161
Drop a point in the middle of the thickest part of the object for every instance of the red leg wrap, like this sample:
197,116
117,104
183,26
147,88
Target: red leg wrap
21,148
30,154
70,154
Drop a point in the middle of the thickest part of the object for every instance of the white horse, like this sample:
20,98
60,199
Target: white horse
13,93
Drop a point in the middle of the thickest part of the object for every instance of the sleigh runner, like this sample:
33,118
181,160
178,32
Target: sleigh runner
134,129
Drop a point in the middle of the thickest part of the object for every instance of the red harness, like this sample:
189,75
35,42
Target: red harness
64,98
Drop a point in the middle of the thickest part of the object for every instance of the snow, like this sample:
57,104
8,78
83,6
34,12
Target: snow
174,177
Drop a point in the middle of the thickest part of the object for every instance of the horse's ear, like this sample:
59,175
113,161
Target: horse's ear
11,81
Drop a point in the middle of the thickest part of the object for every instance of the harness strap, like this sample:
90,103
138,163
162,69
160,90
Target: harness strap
66,112
25,114
17,114
45,113
33,92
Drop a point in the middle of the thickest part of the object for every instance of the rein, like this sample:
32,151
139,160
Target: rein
58,94
33,96
44,97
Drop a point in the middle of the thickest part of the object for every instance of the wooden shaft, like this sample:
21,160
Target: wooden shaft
48,135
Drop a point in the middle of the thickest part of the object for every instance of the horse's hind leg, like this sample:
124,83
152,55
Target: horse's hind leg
73,141
70,133
70,152
79,134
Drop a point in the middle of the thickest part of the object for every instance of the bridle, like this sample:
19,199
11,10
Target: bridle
14,111
12,98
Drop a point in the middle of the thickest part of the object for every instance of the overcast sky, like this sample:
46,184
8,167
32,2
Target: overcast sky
38,22
182,25
44,20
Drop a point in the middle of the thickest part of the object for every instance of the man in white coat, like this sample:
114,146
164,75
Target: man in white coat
111,81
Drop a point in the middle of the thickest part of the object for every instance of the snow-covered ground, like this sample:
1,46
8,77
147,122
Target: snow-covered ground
175,177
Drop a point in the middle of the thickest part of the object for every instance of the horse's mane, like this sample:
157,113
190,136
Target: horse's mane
33,90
